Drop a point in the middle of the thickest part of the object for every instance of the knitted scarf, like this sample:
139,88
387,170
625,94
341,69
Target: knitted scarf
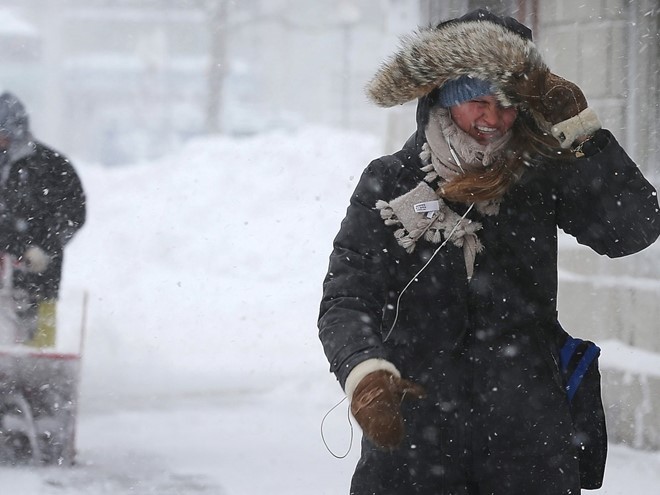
421,212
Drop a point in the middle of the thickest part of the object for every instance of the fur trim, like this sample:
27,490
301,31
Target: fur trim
363,369
431,56
583,124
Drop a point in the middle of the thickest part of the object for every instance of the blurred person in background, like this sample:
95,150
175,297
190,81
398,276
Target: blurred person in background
42,205
439,311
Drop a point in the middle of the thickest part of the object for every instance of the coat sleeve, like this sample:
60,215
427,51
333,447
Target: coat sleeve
355,286
605,202
59,203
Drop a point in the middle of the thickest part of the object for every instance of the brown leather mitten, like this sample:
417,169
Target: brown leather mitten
376,405
561,103
555,98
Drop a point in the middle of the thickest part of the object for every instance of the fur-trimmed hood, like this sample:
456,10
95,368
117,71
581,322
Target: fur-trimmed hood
479,44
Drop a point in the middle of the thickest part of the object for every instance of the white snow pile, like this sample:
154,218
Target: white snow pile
209,263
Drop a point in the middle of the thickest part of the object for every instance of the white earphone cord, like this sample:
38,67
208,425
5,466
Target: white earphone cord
398,300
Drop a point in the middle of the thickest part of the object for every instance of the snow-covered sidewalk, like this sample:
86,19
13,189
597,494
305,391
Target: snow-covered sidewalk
232,443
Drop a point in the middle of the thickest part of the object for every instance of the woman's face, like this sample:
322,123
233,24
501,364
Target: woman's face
483,118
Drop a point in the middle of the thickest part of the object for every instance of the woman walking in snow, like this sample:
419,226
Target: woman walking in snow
439,313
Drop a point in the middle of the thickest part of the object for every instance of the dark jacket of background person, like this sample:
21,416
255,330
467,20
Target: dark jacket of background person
42,202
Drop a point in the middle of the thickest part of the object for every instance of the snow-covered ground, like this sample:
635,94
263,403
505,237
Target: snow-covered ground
202,372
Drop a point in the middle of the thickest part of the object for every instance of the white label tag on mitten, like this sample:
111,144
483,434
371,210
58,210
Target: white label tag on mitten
427,206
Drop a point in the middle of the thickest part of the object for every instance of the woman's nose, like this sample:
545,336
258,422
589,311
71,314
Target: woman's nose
492,115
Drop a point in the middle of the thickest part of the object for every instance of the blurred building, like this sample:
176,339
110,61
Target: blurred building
119,80
109,81
116,81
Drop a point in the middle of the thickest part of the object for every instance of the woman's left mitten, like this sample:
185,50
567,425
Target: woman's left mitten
376,406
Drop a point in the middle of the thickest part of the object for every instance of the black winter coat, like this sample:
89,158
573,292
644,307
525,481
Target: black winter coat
42,203
484,349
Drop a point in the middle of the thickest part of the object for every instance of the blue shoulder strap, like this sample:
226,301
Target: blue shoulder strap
591,353
567,351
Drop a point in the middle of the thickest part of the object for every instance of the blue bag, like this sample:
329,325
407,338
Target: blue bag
579,368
